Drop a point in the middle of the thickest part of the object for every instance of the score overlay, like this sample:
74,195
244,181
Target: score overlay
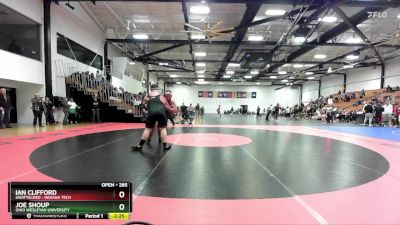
70,200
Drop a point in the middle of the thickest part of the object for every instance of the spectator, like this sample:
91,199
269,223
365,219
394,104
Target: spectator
65,107
269,110
5,108
73,111
191,113
362,93
388,111
38,107
389,89
49,111
96,109
369,113
378,113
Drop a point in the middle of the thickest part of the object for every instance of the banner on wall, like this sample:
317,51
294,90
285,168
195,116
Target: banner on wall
226,94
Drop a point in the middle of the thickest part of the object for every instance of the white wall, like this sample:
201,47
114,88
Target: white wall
331,85
266,95
310,91
24,74
367,78
392,72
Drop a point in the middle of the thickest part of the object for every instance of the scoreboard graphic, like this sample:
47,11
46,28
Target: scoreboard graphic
64,200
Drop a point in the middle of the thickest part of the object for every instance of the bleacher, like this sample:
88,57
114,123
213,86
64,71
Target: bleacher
115,105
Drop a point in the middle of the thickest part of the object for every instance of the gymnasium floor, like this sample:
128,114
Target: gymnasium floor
229,170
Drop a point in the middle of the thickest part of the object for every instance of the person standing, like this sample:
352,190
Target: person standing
96,109
258,111
5,108
156,105
65,107
49,111
197,108
73,108
202,111
191,113
369,113
170,116
275,112
38,107
219,111
269,110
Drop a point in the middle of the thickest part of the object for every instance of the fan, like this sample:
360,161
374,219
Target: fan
388,39
212,32
347,66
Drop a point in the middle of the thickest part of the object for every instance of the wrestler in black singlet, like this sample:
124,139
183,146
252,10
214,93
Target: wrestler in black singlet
156,113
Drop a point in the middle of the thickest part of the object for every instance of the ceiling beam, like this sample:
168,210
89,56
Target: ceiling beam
356,19
350,3
248,16
186,18
255,43
159,51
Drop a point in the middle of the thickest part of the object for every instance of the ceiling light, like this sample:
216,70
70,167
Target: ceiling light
173,75
328,19
199,9
201,80
200,71
233,65
258,83
197,36
178,82
298,65
273,77
220,83
285,65
255,38
254,72
291,77
200,54
33,52
347,66
200,76
201,64
230,72
309,65
248,77
226,76
309,73
299,40
275,12
311,78
142,21
143,81
268,65
319,56
141,36
352,57
163,64
398,17
131,63
353,40
282,72
284,81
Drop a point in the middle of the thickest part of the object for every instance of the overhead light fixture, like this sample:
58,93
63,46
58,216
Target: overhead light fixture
268,65
230,72
248,77
282,72
200,71
309,73
298,65
143,81
178,82
285,65
226,76
291,77
33,52
299,40
200,54
255,38
200,76
275,12
353,40
254,72
398,17
347,66
328,19
220,83
273,77
319,56
258,83
142,20
132,63
311,78
197,36
352,57
233,65
201,80
309,65
173,75
163,64
200,64
141,36
199,9
285,81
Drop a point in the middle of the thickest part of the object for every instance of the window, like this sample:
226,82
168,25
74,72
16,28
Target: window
19,34
71,49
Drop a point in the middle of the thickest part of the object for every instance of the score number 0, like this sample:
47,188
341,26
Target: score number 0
121,195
